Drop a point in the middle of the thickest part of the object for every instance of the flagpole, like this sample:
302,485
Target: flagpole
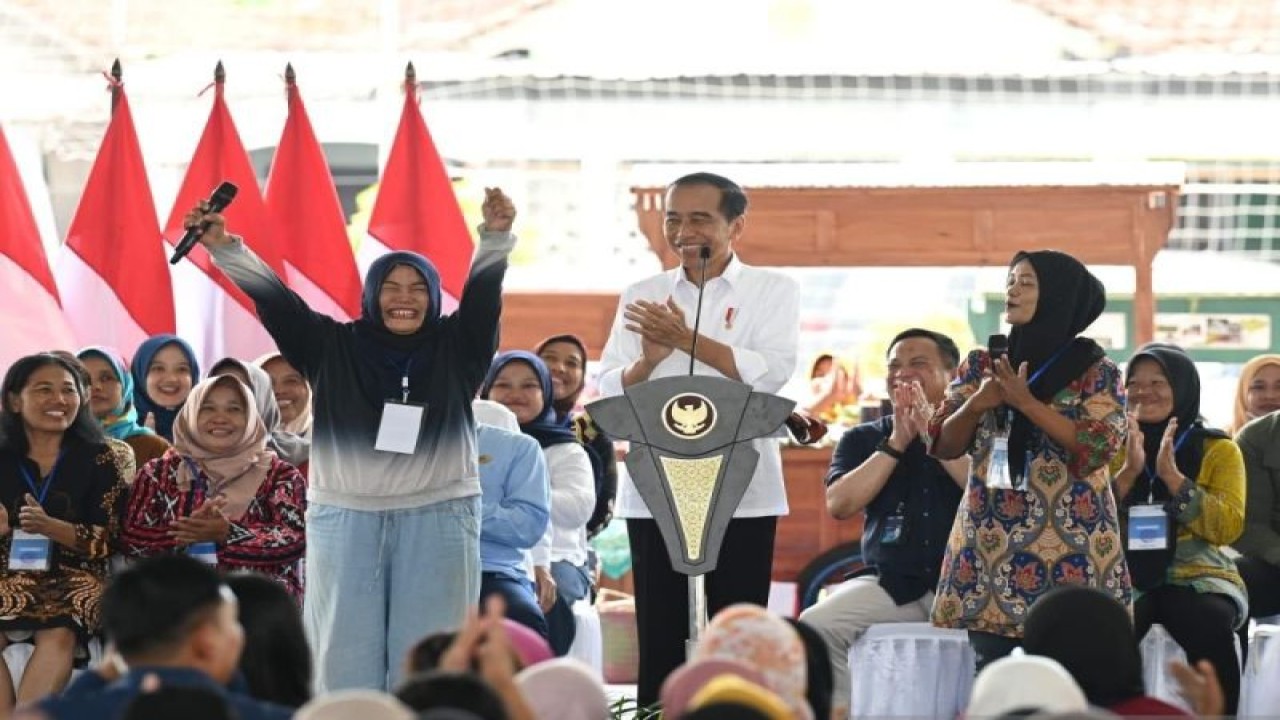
117,80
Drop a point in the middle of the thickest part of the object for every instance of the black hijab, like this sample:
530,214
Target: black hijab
1148,567
1070,299
1089,633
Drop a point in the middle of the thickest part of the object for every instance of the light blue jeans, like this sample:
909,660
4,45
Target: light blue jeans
380,581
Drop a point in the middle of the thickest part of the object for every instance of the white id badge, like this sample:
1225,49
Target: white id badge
1148,527
998,464
205,552
29,551
400,426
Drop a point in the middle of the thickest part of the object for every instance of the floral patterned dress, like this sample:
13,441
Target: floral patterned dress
87,490
1009,547
270,538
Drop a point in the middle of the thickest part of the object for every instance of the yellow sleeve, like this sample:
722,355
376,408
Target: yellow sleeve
1216,511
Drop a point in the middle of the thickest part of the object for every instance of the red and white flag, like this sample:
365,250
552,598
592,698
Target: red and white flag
213,314
112,272
31,315
416,208
304,205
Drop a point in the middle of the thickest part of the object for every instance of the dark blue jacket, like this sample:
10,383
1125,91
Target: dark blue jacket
82,702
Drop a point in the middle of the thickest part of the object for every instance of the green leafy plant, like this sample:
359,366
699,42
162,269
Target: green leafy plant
627,708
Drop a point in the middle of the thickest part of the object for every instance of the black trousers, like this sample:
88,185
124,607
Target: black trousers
662,594
1202,623
989,647
1262,579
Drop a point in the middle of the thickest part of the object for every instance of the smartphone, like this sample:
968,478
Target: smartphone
997,347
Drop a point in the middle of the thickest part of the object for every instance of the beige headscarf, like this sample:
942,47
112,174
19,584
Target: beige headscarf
236,474
1240,413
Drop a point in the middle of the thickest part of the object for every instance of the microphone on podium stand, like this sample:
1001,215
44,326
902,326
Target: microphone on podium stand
704,254
218,201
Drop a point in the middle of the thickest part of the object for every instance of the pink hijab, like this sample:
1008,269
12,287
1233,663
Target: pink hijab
235,474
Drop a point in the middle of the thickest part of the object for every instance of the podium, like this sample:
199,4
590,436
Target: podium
691,461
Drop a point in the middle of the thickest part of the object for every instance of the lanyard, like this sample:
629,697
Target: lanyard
1041,371
197,483
1052,359
42,493
1152,477
404,377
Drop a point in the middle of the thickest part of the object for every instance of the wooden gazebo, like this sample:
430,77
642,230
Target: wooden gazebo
899,226
882,226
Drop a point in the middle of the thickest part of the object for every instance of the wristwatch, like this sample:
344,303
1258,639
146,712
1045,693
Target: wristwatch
890,450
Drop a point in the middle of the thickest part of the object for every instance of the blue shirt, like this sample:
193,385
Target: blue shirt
111,701
516,496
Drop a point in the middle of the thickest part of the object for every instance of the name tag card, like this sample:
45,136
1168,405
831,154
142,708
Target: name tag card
205,552
29,551
401,424
1148,528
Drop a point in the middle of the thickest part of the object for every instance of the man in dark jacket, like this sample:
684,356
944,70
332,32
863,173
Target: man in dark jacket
175,624
909,499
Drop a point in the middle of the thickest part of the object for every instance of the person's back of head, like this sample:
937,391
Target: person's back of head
173,611
819,687
1090,634
276,662
726,711
564,689
438,690
1024,683
425,655
186,703
355,705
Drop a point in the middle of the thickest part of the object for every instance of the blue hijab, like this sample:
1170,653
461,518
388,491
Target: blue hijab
143,403
386,356
545,428
122,421
371,313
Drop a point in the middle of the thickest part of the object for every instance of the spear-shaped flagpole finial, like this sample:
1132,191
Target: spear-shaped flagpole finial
117,77
290,77
219,73
410,75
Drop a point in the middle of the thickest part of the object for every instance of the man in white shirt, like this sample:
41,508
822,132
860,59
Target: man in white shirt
749,332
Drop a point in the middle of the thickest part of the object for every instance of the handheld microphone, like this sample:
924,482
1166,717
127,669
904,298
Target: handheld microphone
704,254
218,201
998,347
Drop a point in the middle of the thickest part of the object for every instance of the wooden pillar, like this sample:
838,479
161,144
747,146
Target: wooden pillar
1144,303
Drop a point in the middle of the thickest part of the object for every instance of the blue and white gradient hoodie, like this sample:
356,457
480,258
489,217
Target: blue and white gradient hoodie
355,367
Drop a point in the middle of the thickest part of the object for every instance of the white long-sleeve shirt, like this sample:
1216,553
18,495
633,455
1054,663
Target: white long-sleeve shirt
753,310
573,498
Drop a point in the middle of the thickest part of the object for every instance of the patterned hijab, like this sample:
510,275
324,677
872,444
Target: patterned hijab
291,448
122,421
764,641
234,474
545,428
